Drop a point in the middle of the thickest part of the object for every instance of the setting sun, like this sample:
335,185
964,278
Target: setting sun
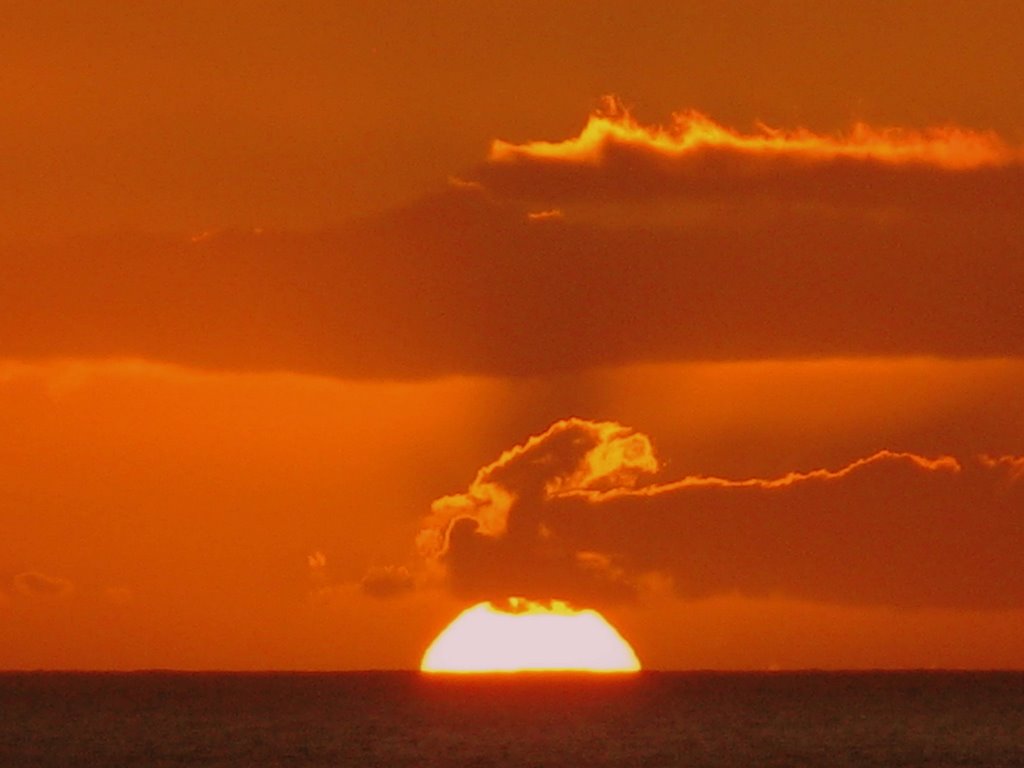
527,636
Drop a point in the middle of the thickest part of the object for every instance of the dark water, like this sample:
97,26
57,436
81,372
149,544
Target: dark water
404,719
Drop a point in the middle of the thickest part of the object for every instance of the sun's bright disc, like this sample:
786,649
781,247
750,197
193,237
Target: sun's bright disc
529,637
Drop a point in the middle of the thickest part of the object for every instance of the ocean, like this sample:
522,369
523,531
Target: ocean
101,720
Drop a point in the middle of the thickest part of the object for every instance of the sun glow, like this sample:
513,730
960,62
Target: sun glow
526,636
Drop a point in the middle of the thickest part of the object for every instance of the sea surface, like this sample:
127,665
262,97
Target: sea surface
408,719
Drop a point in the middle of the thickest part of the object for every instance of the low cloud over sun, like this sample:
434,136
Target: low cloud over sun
577,512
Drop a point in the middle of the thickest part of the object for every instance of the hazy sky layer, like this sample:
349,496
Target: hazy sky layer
319,321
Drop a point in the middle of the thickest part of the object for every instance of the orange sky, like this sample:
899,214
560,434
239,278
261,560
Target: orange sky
320,322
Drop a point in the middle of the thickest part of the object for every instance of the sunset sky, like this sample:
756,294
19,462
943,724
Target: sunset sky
322,321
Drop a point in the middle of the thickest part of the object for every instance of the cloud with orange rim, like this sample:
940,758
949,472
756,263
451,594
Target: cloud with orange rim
574,512
616,158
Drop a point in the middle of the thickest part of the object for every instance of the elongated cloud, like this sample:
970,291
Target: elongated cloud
625,245
692,132
615,157
892,528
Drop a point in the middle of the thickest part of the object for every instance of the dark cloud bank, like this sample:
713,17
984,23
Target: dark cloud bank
760,258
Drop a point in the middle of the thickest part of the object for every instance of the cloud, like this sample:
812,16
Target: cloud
666,248
551,213
379,581
1013,465
36,584
501,512
692,132
317,563
572,455
387,581
571,513
615,157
